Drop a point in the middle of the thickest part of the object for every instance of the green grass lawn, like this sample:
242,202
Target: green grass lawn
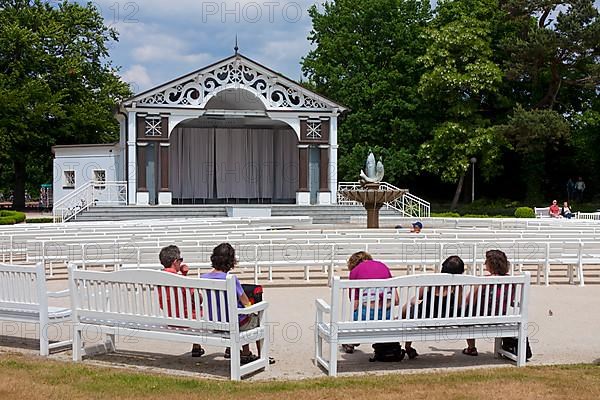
23,377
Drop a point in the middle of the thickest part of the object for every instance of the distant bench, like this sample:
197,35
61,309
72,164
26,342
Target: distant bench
335,324
542,212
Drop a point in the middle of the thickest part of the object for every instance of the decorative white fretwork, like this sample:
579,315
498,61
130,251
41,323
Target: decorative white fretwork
313,130
153,126
276,92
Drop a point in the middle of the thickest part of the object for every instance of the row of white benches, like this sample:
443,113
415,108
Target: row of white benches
284,236
417,254
257,231
127,303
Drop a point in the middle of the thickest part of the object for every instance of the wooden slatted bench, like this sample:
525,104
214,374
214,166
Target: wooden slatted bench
470,317
24,298
542,212
127,303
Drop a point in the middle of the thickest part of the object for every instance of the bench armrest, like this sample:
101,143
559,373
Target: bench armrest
62,293
322,307
261,306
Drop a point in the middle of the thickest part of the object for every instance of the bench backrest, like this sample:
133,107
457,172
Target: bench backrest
153,297
22,288
476,300
541,211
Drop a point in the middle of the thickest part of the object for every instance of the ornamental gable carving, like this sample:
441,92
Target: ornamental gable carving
194,91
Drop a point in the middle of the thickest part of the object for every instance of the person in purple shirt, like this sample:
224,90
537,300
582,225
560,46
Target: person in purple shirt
362,266
223,260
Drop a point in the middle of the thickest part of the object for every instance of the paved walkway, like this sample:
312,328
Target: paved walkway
564,327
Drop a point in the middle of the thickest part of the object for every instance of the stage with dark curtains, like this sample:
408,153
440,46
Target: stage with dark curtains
233,165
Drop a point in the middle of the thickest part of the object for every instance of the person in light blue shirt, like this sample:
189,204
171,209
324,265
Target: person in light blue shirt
223,261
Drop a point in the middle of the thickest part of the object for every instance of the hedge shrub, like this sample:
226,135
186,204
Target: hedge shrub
44,220
11,217
524,212
446,215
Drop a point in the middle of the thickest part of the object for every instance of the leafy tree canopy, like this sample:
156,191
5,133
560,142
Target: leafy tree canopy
56,83
366,58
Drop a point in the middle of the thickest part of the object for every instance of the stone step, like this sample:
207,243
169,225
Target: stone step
332,214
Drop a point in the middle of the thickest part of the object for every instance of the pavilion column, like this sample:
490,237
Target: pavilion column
303,194
142,197
324,191
164,194
131,159
333,149
141,168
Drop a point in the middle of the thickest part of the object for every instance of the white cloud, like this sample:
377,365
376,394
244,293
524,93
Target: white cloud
171,53
137,75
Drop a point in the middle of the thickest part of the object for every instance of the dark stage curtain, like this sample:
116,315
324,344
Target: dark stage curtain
234,163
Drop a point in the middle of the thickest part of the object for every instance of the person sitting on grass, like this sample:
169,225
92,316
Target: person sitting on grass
223,261
362,266
496,264
452,265
171,260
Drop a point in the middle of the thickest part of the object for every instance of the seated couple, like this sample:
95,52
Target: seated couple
362,266
222,261
563,212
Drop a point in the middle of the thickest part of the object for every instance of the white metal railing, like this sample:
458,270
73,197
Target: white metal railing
408,204
411,206
343,200
93,193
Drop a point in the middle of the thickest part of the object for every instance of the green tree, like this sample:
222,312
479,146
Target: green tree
461,82
554,75
56,83
366,58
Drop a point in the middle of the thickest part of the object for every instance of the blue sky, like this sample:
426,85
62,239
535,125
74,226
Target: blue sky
161,40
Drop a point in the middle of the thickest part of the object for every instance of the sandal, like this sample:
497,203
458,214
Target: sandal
411,353
271,361
470,351
248,358
348,348
197,350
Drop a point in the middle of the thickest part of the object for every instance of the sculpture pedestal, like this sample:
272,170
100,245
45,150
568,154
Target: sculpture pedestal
373,215
372,199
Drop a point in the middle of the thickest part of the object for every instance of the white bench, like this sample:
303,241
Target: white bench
24,298
469,319
127,303
542,212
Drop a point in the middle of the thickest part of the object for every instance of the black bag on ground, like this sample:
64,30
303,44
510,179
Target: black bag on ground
511,344
254,292
387,352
